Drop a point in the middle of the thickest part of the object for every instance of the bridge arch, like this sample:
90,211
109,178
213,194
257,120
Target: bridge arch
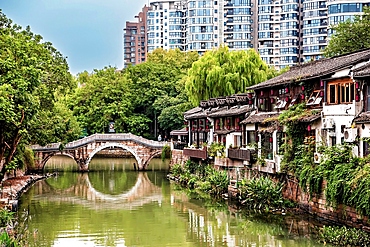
49,156
147,161
112,145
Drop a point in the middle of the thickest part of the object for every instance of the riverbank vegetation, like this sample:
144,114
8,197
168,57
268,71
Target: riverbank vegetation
8,236
258,193
343,236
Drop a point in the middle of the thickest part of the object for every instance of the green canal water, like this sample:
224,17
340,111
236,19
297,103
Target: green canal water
114,205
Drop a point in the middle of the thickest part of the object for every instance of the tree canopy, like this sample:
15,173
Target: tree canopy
221,72
350,36
33,74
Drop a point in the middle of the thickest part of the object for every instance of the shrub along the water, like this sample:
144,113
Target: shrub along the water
202,177
261,193
343,236
7,234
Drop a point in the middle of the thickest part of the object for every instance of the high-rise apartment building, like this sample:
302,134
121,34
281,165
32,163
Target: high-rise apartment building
135,45
202,25
166,25
279,28
237,28
284,32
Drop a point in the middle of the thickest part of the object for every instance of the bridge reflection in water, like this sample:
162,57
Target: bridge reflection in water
118,187
83,192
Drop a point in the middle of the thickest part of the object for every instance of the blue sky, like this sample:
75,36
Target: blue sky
88,32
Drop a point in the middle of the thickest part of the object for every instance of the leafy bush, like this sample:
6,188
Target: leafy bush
215,148
261,193
343,236
176,170
166,152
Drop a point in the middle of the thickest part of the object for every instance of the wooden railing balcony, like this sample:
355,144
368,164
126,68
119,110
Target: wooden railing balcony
240,154
196,153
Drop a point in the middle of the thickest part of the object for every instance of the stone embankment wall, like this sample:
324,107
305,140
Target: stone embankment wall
11,189
315,205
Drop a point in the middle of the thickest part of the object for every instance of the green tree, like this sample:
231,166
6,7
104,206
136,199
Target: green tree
350,36
158,87
32,73
221,72
103,96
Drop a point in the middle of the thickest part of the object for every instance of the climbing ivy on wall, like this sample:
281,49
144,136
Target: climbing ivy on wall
347,178
297,151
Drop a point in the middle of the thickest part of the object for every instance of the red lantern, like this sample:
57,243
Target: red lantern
228,120
187,128
286,90
321,83
321,93
357,97
261,93
257,138
224,139
302,96
302,88
261,101
272,100
250,102
270,139
286,98
357,85
272,92
309,128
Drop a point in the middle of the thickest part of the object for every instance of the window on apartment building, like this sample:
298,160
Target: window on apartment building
342,92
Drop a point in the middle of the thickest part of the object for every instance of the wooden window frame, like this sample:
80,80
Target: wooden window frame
340,96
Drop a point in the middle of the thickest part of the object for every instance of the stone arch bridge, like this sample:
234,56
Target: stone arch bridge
83,150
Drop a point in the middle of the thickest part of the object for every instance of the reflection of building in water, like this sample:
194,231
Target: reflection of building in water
228,228
83,192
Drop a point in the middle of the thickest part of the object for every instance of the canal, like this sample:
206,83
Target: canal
114,205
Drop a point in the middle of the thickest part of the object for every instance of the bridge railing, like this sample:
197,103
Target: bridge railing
103,137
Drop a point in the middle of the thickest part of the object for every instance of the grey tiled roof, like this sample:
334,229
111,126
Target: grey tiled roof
308,119
192,111
315,69
362,71
204,113
259,117
236,110
363,118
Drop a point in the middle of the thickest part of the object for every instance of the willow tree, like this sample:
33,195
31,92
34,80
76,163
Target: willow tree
222,72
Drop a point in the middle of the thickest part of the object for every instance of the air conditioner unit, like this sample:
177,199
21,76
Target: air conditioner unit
350,134
317,158
328,123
